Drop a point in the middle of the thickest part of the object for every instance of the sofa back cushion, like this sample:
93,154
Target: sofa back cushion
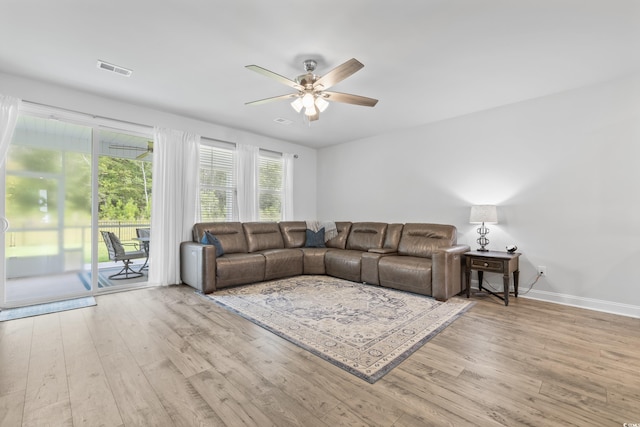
340,241
229,234
293,233
422,240
366,235
263,235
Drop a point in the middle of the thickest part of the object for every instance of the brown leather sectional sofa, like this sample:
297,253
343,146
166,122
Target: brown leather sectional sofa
419,258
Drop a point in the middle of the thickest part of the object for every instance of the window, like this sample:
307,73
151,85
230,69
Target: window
270,186
66,180
217,182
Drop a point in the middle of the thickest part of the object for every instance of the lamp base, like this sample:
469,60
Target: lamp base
482,240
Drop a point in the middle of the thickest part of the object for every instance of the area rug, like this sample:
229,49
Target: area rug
52,307
364,329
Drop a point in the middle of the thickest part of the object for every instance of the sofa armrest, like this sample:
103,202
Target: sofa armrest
198,266
447,272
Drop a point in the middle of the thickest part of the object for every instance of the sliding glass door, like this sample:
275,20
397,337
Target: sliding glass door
123,207
48,204
65,184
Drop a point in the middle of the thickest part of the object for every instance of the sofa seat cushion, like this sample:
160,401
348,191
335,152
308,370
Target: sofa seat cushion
282,263
369,268
313,260
239,269
406,273
344,264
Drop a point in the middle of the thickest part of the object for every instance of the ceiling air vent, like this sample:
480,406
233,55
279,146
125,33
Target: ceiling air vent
282,121
114,68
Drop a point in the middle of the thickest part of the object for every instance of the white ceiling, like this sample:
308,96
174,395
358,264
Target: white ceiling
425,60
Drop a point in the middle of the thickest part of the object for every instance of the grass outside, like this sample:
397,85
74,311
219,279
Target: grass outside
44,242
49,250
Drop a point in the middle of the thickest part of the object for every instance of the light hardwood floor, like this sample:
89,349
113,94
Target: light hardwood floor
165,356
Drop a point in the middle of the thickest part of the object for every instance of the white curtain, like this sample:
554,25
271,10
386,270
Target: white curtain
287,202
173,213
9,107
247,182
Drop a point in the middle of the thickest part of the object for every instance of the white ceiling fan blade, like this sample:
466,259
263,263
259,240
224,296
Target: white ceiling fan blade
348,98
275,98
338,74
274,76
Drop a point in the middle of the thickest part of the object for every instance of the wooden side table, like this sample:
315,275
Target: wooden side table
494,262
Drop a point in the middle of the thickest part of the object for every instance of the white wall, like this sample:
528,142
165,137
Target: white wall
304,166
564,171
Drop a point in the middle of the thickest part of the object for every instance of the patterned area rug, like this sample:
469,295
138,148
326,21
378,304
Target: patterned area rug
364,329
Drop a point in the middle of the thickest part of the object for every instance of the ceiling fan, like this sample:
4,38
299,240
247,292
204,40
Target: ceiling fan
312,93
147,152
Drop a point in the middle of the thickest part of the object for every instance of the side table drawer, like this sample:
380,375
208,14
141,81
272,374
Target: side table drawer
486,264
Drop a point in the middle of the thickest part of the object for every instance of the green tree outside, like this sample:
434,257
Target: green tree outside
124,190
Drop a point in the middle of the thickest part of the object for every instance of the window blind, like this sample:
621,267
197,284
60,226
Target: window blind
217,183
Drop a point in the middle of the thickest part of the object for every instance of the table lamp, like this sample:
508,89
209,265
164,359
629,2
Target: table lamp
483,214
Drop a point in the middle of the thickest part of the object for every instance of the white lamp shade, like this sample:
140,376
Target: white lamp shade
487,214
321,104
310,111
297,105
308,101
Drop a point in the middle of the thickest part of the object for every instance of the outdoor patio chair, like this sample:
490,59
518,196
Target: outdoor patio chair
144,234
118,253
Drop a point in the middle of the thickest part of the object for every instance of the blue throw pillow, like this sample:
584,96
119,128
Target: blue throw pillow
209,239
315,239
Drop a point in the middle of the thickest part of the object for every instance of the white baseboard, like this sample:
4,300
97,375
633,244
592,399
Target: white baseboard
580,302
588,303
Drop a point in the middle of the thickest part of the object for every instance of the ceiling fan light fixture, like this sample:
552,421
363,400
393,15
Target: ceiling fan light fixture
321,103
297,104
308,101
310,111
311,90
